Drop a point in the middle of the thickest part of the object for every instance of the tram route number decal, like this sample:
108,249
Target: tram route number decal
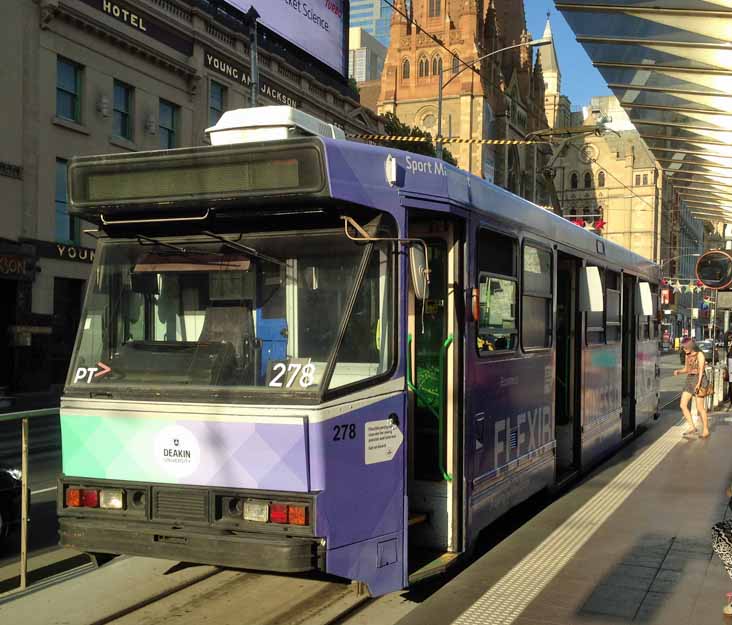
342,432
286,374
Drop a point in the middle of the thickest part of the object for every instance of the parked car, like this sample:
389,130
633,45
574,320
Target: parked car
10,490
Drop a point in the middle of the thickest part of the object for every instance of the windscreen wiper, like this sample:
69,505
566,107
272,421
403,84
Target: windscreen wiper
245,248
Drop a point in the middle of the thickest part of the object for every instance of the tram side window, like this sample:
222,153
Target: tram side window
596,320
497,289
536,310
612,307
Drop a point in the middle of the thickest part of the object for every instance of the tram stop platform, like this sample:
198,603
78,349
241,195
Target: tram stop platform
630,544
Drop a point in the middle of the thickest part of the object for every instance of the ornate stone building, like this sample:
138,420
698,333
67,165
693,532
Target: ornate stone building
502,99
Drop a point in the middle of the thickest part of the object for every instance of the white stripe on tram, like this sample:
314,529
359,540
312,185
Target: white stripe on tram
43,490
511,595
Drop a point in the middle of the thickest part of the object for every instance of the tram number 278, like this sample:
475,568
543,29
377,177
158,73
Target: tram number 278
342,432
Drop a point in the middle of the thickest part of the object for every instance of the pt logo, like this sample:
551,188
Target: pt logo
88,373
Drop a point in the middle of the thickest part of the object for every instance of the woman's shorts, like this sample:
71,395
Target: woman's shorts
690,385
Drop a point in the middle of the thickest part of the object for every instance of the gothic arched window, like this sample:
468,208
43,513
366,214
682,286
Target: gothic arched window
405,69
574,181
424,67
433,8
588,180
436,65
601,179
455,65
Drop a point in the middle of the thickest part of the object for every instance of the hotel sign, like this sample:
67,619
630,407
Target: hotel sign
238,73
144,23
13,266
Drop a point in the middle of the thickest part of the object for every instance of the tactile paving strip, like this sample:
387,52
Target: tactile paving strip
512,594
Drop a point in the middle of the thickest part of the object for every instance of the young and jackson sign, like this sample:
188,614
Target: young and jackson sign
240,74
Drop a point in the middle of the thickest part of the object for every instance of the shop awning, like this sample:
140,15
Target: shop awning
669,63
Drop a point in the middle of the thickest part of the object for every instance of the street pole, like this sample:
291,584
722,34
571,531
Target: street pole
253,16
438,147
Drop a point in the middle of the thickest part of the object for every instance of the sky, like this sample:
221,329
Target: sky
580,80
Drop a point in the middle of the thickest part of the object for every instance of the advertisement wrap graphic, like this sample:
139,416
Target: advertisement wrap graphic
241,454
316,26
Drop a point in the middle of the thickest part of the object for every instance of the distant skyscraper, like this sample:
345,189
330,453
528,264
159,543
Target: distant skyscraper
374,16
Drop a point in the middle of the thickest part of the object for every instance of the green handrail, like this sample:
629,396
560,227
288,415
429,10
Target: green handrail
441,417
439,411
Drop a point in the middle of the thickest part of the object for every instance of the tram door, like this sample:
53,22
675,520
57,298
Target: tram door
628,373
434,341
568,358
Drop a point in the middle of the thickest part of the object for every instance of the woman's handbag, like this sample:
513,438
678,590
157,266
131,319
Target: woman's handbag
705,391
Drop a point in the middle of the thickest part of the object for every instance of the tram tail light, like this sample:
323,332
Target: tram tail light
297,515
112,499
278,513
256,511
73,497
90,498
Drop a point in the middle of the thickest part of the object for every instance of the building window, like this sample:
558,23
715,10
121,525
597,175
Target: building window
536,310
637,180
67,227
497,293
216,102
588,180
574,181
405,69
122,110
424,67
601,179
645,179
68,89
167,124
455,64
437,65
433,8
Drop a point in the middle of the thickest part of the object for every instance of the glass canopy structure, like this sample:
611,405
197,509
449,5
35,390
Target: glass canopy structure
669,63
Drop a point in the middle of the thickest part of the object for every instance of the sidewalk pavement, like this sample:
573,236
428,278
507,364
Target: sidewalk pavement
631,544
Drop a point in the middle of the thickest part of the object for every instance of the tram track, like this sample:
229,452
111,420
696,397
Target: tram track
237,597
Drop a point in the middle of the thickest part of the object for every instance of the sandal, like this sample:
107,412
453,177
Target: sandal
704,435
690,433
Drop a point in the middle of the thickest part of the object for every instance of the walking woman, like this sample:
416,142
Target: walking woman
696,379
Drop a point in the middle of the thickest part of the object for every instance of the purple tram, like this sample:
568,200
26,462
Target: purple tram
303,353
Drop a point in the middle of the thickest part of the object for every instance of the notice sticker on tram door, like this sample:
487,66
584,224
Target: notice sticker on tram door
382,440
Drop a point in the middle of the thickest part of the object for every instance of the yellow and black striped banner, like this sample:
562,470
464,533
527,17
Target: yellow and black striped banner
412,139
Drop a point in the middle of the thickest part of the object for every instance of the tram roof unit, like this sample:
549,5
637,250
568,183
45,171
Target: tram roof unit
276,153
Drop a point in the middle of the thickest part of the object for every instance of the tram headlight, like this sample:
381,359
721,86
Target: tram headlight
256,511
112,499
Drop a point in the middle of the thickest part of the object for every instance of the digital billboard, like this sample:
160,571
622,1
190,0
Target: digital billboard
316,26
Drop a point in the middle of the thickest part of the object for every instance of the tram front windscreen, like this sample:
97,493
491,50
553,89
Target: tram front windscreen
273,313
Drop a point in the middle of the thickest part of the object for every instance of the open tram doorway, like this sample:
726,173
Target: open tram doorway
434,338
568,368
628,357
